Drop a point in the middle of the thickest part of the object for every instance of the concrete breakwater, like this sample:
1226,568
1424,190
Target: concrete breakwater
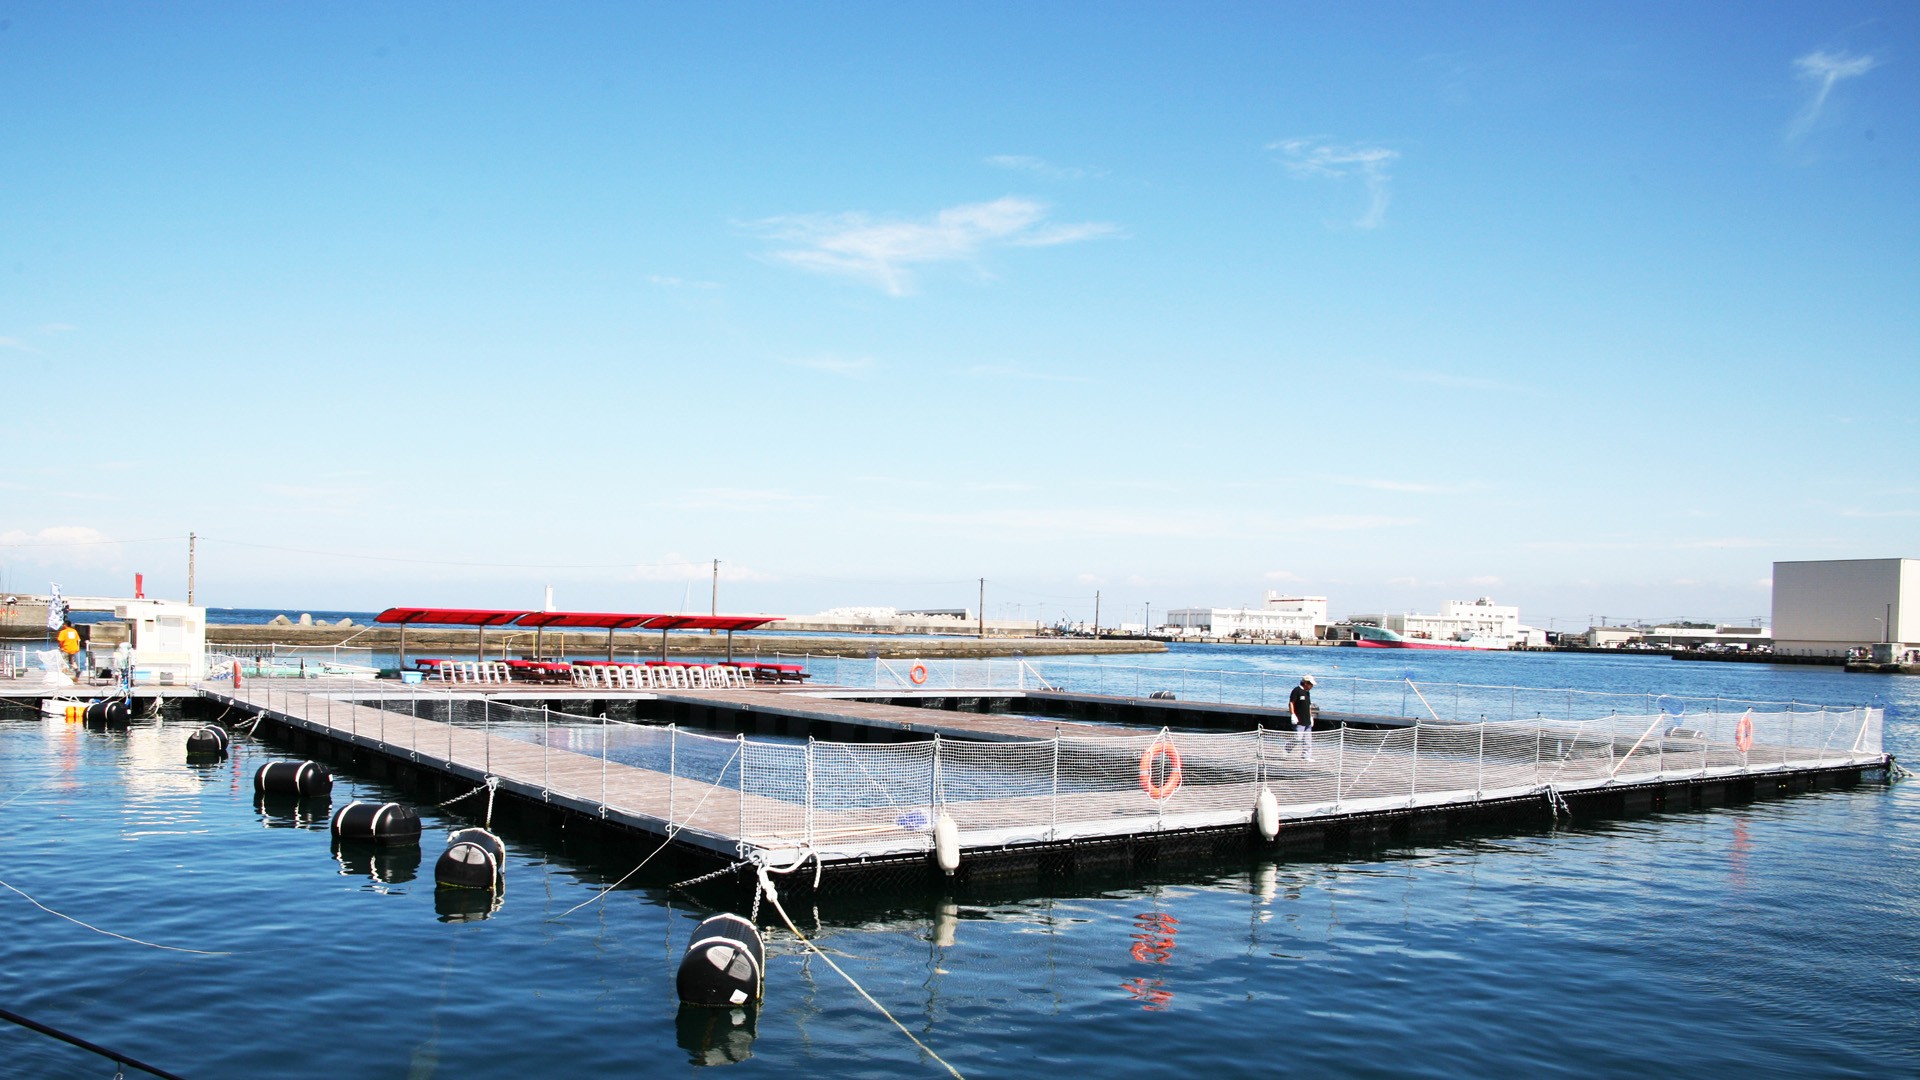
425,641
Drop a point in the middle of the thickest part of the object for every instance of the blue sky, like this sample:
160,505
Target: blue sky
1596,312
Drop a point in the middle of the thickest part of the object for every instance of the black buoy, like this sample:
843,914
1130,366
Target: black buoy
378,823
112,712
467,866
724,965
1161,695
474,859
209,741
293,778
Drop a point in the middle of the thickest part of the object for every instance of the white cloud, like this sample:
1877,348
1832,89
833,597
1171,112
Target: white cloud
1282,575
16,343
1485,581
1317,159
666,282
1460,382
676,568
54,536
834,365
1411,487
1824,69
1044,169
1015,371
884,252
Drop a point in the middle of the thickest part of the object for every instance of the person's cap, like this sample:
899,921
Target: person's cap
1308,679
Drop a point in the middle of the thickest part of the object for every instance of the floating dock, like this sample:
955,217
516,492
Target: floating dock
854,783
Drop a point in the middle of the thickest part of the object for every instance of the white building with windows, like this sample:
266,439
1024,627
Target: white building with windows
1458,620
1281,618
1832,606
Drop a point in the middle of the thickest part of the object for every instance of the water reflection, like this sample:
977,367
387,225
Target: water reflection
716,1036
465,905
386,864
282,811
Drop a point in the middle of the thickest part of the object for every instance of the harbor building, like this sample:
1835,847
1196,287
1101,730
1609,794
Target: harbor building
1481,622
1282,618
1833,607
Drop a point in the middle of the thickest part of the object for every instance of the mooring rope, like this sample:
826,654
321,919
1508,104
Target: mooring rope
109,933
111,1055
673,828
1897,772
773,897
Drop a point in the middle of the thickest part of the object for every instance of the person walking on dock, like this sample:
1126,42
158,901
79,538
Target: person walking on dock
1300,704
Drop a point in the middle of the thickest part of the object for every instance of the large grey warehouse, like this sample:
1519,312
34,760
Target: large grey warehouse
1831,606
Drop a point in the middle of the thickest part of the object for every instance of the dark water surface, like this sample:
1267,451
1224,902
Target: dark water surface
1780,938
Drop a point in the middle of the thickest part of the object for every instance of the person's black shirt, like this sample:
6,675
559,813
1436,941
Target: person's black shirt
1300,704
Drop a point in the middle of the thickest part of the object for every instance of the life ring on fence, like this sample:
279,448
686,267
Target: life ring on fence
1160,748
918,673
1743,734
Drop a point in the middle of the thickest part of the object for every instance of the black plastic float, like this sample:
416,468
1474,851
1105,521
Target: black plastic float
208,742
724,965
112,712
474,859
376,823
293,778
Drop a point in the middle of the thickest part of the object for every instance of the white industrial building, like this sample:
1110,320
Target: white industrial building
1458,620
1282,618
1831,607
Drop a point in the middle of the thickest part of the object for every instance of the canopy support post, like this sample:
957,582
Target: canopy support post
729,646
663,644
609,644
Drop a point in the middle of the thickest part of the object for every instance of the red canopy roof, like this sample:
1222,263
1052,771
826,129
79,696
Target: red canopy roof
596,620
447,616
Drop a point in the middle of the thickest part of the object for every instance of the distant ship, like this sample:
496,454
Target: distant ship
1376,637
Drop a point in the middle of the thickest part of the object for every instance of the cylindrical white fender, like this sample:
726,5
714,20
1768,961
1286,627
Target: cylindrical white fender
946,844
1266,814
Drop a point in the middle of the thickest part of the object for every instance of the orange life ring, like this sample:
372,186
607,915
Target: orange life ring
1160,748
1743,734
918,673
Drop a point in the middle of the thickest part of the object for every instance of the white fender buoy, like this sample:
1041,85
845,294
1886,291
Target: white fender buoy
1266,814
946,844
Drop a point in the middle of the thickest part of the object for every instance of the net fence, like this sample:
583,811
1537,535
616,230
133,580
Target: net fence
851,800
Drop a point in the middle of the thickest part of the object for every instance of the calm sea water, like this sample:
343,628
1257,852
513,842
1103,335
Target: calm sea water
1776,939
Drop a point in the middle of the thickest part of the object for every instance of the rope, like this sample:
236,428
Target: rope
773,897
75,1040
673,828
1896,772
109,933
1557,803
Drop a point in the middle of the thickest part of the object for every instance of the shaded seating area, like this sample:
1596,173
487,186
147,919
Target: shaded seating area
609,673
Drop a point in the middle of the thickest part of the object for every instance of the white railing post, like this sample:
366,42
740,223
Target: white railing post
1480,764
1340,768
1413,771
740,755
603,764
673,765
546,745
1053,800
809,791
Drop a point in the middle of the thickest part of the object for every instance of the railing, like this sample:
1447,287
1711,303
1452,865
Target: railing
1456,702
852,799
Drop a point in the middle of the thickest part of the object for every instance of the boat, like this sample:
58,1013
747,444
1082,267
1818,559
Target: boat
1379,637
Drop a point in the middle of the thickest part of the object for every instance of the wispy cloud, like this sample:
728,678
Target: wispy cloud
884,252
57,328
727,498
1462,382
1042,168
1015,371
1824,70
1411,487
680,568
16,344
847,366
1281,575
1318,159
1856,513
668,282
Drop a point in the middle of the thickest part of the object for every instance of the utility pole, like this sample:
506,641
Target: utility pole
1148,618
716,588
191,539
981,627
1096,614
